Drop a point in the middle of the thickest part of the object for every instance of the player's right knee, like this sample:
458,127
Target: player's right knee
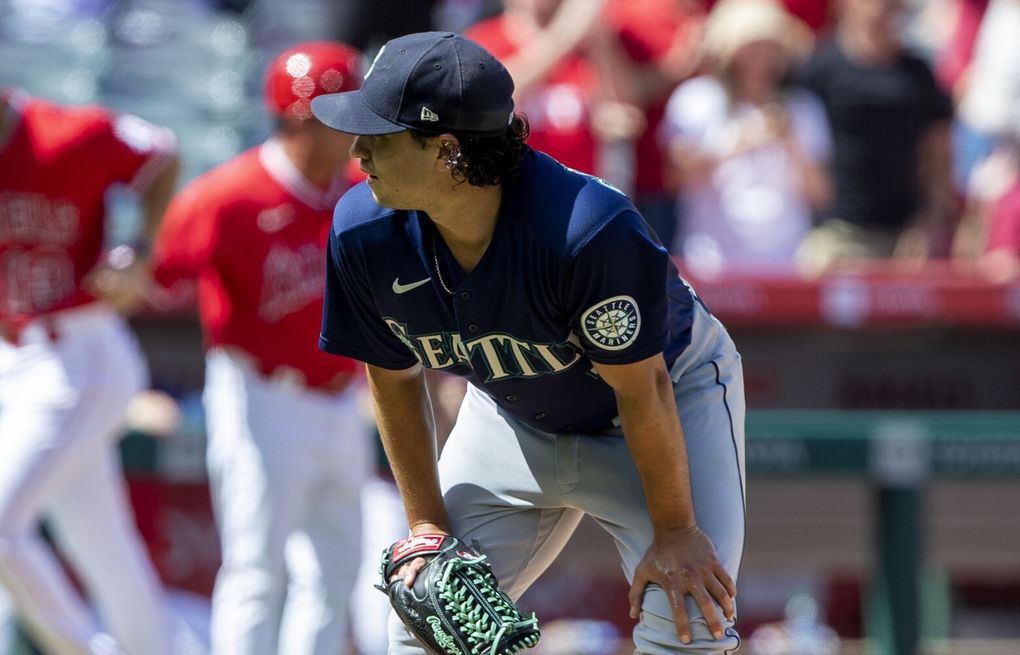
655,633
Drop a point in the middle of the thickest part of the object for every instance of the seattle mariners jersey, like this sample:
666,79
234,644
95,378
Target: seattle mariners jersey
567,295
55,167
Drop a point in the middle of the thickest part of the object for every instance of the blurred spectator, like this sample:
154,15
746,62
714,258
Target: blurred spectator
962,18
990,233
458,15
367,24
891,148
1001,260
583,78
68,369
751,153
816,14
556,87
989,93
573,82
662,40
289,450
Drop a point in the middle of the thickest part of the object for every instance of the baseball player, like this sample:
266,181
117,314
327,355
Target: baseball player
599,382
288,451
68,367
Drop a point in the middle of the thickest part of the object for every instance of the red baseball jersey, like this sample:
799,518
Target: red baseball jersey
56,165
253,232
647,30
558,109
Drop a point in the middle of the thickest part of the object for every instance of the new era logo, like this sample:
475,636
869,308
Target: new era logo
429,115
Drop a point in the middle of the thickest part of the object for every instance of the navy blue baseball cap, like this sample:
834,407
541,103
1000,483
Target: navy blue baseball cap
431,81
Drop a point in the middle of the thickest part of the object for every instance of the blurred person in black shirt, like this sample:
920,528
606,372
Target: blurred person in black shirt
367,24
891,145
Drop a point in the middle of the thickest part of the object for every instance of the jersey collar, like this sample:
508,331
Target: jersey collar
282,169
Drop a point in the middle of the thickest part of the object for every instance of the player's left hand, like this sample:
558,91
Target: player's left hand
123,281
684,563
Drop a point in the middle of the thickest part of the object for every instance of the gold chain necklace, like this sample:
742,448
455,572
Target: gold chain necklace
439,273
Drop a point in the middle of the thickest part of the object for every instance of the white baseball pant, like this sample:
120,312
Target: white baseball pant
286,467
384,523
521,492
63,391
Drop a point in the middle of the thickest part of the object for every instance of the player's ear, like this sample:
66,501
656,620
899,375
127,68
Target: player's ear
450,155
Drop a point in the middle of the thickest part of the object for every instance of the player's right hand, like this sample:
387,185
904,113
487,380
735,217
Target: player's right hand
409,570
684,563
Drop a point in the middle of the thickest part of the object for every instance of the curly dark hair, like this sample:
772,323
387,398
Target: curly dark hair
484,160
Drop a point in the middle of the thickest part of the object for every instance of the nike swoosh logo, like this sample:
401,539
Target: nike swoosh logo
399,288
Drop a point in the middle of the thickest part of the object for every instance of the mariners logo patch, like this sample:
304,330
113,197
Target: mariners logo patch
612,324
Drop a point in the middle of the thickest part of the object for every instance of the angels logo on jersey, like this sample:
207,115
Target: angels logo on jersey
276,218
613,324
291,279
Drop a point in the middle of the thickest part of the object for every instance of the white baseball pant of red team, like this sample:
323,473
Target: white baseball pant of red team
63,390
383,523
286,468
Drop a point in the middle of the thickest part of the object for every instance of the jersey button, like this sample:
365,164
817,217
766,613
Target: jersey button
510,398
465,295
472,327
539,416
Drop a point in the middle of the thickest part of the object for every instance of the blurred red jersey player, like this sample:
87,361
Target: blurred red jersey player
288,450
662,38
68,369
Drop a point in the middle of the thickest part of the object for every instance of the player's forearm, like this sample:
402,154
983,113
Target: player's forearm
404,416
157,197
543,52
655,439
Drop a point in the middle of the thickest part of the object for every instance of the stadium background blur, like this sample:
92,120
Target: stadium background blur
884,431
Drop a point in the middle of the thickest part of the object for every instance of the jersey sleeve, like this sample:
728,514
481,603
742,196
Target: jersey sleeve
351,323
137,150
616,295
186,239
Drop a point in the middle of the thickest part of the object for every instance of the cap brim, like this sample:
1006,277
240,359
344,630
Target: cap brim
347,112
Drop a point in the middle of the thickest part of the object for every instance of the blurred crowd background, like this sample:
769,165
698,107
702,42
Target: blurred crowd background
726,125
761,148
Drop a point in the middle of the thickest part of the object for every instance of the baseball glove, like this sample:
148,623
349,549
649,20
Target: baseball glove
455,606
